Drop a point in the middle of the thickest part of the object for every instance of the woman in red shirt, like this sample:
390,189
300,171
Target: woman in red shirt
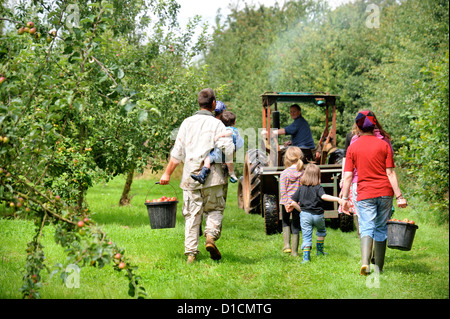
377,184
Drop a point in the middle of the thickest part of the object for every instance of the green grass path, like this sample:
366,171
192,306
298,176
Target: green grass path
253,265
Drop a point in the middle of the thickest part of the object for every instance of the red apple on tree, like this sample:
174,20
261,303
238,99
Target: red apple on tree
30,24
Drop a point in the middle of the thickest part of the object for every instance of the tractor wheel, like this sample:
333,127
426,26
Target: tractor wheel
251,184
240,195
271,218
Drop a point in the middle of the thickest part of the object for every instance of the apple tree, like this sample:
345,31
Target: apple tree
75,110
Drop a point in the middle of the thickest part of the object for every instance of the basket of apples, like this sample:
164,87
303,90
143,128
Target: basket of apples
401,233
162,211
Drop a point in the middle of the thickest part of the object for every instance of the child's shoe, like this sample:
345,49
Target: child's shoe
306,255
319,246
233,178
202,176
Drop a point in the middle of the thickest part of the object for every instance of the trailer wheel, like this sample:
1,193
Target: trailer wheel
251,184
271,218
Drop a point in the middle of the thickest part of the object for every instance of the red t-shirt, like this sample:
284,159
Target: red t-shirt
370,156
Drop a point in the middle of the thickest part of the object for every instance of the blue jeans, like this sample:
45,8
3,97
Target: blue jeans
215,156
374,214
307,222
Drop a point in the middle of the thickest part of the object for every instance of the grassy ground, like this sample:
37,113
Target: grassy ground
252,267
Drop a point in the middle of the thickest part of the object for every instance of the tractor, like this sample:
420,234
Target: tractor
258,188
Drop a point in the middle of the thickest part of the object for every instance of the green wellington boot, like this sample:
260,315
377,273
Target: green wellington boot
287,239
295,241
366,252
379,252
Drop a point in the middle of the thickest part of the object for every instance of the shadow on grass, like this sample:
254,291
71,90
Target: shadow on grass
408,263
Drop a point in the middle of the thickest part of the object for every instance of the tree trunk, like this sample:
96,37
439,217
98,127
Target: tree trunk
80,198
125,198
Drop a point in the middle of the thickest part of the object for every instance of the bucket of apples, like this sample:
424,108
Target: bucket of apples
162,211
401,233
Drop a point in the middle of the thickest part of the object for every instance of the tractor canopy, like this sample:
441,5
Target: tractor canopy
318,98
327,141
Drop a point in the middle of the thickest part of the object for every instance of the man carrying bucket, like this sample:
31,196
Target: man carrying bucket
377,184
195,139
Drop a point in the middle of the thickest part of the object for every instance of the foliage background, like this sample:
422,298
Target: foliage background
88,103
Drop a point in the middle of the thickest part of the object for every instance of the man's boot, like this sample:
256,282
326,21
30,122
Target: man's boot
287,239
366,252
380,252
295,241
202,176
191,258
212,249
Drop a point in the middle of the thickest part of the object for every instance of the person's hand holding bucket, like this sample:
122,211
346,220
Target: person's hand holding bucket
401,202
165,179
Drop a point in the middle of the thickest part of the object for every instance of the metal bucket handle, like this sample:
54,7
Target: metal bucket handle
158,183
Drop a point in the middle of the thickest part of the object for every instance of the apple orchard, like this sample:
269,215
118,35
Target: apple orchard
86,95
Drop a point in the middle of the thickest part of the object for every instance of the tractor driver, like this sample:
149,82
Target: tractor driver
299,131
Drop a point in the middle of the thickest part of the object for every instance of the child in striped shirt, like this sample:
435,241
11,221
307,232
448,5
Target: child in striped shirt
289,183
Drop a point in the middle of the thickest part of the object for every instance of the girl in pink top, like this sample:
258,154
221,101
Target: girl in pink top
289,183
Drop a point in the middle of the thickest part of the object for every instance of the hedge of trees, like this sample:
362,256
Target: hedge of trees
85,96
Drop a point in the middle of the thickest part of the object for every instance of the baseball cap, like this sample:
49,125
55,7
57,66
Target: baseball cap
366,121
220,107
